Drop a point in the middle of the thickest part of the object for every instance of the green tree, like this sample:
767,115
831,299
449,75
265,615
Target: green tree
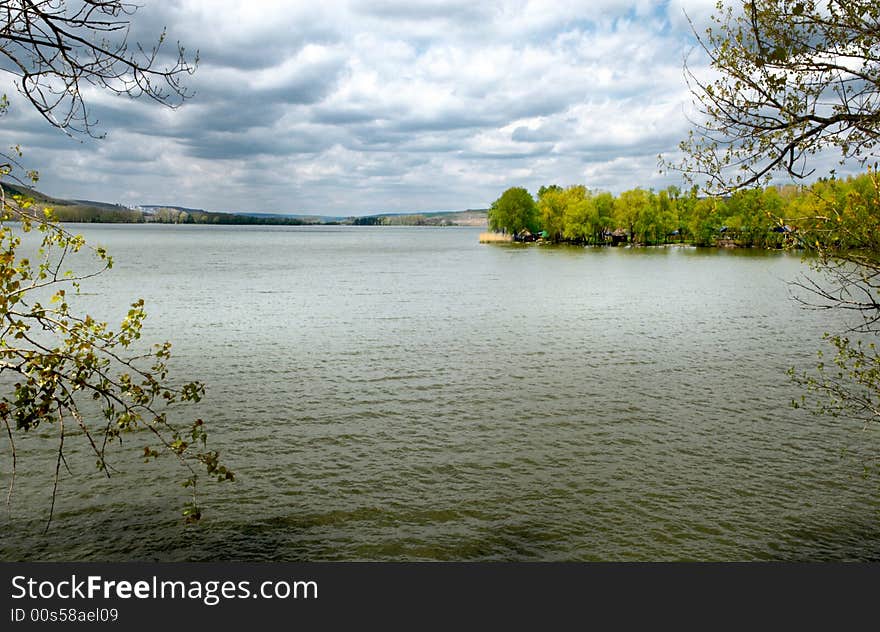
547,188
656,220
631,210
589,218
513,212
77,377
556,206
743,211
762,224
685,206
578,220
604,215
706,220
552,203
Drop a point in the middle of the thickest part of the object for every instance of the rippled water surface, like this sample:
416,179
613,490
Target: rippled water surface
407,393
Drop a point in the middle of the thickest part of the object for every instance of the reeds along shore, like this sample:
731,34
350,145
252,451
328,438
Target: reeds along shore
491,238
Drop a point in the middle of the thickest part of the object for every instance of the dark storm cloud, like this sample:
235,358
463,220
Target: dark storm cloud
342,116
271,32
296,80
226,145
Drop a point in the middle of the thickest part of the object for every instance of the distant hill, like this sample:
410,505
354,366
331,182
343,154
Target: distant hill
470,217
92,211
93,204
309,219
75,210
150,208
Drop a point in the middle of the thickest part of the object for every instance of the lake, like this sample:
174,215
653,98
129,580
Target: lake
410,394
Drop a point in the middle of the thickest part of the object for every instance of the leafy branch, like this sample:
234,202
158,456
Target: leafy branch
792,78
61,360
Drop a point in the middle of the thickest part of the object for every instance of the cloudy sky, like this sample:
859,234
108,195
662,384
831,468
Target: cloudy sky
348,108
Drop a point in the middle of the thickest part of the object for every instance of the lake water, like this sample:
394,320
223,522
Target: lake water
410,394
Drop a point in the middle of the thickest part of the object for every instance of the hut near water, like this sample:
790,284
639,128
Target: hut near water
619,236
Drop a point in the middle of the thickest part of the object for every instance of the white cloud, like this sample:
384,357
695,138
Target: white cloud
353,107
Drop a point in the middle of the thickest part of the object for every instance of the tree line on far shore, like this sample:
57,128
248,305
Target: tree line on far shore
759,217
168,215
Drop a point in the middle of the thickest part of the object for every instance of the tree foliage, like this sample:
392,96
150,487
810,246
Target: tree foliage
555,205
794,78
552,203
73,368
514,212
588,217
633,210
74,375
843,234
771,217
791,78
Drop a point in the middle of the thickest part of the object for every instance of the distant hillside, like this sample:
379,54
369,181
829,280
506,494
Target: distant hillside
308,219
181,215
91,211
434,218
152,208
75,210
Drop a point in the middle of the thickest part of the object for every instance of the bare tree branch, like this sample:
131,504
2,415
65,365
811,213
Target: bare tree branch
55,47
793,78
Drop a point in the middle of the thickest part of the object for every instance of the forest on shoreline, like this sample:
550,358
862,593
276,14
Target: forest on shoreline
770,217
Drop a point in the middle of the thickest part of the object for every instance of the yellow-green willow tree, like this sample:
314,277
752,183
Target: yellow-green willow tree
77,377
